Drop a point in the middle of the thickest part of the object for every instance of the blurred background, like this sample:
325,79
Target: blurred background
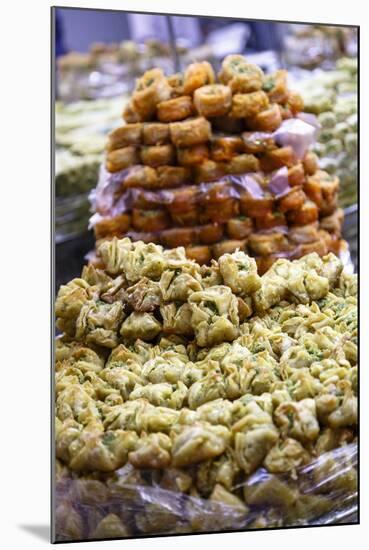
99,55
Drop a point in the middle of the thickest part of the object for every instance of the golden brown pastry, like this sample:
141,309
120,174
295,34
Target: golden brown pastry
264,263
279,157
217,204
333,223
194,155
328,239
183,207
130,134
209,170
275,85
227,247
249,105
112,226
200,253
144,199
158,155
270,220
228,124
320,247
266,121
329,186
175,109
155,133
149,220
295,102
264,244
229,208
190,132
172,176
111,526
239,75
175,81
130,115
313,189
308,213
239,228
140,176
122,158
310,163
285,111
213,100
224,148
209,233
254,207
197,75
242,164
296,175
336,245
151,89
293,200
178,236
304,234
329,206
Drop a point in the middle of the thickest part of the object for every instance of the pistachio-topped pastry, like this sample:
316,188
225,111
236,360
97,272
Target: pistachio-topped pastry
204,362
213,380
240,75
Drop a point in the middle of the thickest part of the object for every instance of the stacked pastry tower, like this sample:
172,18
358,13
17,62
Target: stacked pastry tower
216,164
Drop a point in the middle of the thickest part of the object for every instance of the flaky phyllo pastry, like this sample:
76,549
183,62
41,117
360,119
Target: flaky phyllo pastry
209,372
216,162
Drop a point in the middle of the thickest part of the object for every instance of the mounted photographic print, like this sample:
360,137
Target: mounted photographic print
205,225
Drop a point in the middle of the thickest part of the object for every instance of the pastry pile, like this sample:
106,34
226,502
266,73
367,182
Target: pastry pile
205,374
215,164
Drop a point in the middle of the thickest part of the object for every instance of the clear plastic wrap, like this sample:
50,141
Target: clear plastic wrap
269,217
134,503
117,192
255,189
109,199
298,133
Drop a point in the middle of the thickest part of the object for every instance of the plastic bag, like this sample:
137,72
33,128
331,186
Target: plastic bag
270,214
298,133
110,198
244,194
119,191
133,503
